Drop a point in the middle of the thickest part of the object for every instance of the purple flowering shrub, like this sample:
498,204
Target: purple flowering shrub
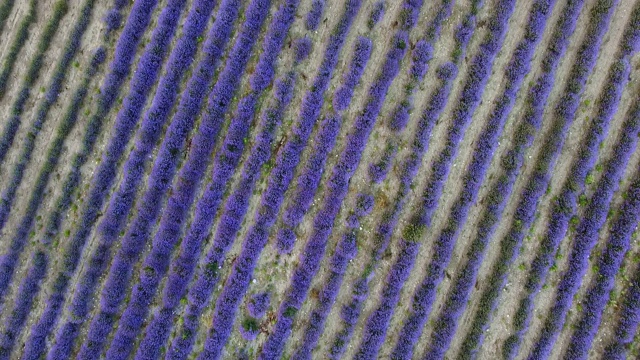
377,13
303,47
258,304
315,13
361,55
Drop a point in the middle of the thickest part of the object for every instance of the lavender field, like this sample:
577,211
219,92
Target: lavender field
319,179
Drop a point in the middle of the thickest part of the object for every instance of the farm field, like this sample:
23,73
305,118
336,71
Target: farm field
319,179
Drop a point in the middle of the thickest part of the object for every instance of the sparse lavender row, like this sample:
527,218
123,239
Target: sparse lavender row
445,73
345,251
11,57
435,25
125,51
377,13
281,176
314,14
13,325
626,324
190,248
479,71
565,206
375,326
361,55
511,162
30,285
19,240
446,324
113,17
480,67
126,120
564,115
608,264
224,166
179,202
338,184
28,143
421,56
308,182
303,48
378,171
51,96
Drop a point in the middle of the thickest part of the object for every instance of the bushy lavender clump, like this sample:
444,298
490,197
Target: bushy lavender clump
422,53
378,171
302,48
361,55
112,19
364,204
377,13
315,13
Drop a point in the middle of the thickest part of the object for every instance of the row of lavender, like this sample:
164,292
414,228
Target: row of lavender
215,45
159,220
526,208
